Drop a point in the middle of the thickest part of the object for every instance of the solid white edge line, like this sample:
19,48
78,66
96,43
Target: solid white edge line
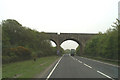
53,69
105,75
87,65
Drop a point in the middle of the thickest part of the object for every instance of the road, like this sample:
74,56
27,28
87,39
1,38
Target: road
79,67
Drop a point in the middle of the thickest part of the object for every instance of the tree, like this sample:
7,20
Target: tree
24,41
104,45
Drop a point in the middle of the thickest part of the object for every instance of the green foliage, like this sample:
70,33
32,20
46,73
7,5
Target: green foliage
67,51
25,41
78,50
61,50
16,54
104,45
54,50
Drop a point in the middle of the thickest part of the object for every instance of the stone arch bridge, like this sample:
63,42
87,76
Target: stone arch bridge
80,38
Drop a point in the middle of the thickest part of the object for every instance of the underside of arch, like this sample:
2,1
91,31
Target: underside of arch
54,41
72,40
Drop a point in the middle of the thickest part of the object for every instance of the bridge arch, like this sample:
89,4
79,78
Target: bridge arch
53,41
77,41
80,38
70,39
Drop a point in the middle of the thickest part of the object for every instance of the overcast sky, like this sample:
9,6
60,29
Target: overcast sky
68,16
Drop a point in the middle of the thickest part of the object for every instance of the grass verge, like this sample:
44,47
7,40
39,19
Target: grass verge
27,69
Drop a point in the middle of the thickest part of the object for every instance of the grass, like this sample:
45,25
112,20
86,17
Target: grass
103,60
27,69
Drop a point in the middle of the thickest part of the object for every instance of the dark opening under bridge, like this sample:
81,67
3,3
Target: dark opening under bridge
80,38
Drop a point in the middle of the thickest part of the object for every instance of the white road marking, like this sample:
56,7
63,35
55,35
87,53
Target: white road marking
101,62
105,75
96,70
87,65
53,69
73,57
80,61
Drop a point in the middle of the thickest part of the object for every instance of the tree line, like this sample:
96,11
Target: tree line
22,43
104,45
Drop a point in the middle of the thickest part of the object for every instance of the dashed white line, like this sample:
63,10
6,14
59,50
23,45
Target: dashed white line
87,65
80,61
101,62
105,75
73,58
53,69
91,68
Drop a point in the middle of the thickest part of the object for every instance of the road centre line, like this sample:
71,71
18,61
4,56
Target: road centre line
87,65
100,62
105,75
76,59
73,58
97,70
54,68
80,61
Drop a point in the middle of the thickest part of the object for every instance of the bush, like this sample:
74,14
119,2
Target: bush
5,59
23,53
16,54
